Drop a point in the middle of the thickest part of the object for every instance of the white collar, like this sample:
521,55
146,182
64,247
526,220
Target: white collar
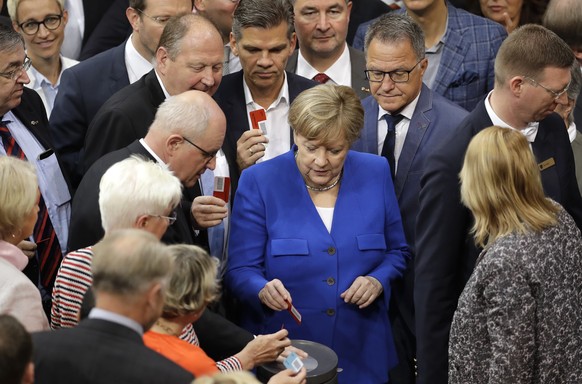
340,72
530,132
407,111
283,93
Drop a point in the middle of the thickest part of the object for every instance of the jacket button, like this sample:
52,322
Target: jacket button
331,251
330,281
330,312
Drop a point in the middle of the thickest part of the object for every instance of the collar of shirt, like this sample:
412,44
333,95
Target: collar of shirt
37,79
233,62
282,97
102,314
401,127
151,152
13,255
407,111
530,132
136,64
572,131
340,73
162,85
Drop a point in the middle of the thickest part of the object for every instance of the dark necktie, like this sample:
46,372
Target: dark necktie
48,249
321,78
390,141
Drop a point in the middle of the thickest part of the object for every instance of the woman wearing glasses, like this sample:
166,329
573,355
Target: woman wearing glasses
41,23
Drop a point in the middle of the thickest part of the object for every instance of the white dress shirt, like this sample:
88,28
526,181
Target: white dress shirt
340,73
137,66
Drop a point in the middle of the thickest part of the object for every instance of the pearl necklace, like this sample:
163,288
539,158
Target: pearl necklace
323,189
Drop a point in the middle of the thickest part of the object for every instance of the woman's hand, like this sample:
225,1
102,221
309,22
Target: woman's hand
288,377
263,349
274,295
363,291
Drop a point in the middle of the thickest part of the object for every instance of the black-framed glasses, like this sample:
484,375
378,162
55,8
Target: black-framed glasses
171,219
162,20
208,155
16,73
397,76
51,22
556,94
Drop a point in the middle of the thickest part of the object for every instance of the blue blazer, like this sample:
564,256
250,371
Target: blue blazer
446,251
230,97
83,90
276,232
432,122
465,72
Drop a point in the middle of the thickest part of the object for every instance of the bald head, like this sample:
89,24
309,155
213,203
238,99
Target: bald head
186,133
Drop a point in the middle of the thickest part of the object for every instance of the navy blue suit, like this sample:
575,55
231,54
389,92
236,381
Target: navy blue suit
83,90
432,122
231,99
446,252
465,73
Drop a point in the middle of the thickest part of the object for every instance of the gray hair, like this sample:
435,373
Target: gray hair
12,6
128,262
175,115
178,27
10,39
396,28
564,17
134,187
263,14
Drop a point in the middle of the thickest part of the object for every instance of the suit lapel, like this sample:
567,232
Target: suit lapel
359,82
368,141
33,120
416,130
292,62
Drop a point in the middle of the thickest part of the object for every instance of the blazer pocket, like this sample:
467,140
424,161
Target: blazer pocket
371,242
465,78
289,247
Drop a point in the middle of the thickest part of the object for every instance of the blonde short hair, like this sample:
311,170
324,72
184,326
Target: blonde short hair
326,113
193,283
12,7
501,185
18,191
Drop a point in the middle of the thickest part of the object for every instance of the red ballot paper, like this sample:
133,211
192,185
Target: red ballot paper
257,116
221,187
294,312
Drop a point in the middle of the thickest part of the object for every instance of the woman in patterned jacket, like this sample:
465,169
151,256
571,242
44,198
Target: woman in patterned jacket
519,319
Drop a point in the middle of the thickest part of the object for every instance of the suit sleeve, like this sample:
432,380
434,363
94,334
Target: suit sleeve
441,236
68,125
245,275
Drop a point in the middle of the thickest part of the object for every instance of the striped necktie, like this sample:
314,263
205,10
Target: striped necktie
48,249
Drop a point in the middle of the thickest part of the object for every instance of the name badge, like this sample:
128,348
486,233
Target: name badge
547,164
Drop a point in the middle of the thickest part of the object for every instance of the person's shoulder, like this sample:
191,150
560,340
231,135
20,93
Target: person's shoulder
368,160
474,25
443,105
96,63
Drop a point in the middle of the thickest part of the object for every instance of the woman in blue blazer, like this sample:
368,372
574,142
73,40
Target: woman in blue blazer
319,227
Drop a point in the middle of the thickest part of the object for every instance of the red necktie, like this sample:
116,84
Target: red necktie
48,249
321,78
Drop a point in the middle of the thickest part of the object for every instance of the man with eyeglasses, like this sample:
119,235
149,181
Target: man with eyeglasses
87,86
42,25
403,121
185,136
24,134
532,75
323,54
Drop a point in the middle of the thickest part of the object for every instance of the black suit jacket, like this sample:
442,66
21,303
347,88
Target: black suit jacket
125,117
231,99
358,61
83,90
578,114
110,31
362,11
446,252
100,351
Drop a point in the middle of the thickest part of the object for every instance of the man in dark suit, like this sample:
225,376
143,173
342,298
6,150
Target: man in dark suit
532,74
263,39
130,270
395,62
564,17
460,47
85,88
187,143
190,41
24,134
323,54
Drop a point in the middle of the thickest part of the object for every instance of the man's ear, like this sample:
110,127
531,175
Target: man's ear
133,18
516,85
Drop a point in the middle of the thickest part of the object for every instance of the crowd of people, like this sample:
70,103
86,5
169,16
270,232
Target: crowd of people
186,186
